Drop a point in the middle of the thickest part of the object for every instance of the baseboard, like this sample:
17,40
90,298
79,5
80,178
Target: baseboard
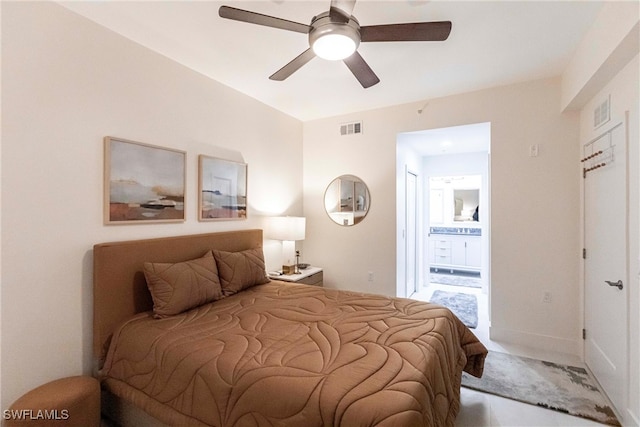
632,419
540,342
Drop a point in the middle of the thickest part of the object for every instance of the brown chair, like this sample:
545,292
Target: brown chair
68,402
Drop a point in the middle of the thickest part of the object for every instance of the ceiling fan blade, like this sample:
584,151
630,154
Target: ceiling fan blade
260,19
293,66
341,10
361,70
419,31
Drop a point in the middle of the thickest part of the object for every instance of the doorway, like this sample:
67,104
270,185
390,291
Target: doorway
459,154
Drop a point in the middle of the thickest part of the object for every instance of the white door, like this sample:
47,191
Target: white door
474,252
458,251
412,233
606,264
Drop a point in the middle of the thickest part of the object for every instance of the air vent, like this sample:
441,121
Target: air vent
350,128
602,113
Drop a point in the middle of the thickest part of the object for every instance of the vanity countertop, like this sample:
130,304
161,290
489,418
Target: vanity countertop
465,231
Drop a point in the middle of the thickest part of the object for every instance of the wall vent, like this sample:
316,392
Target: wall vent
350,128
602,113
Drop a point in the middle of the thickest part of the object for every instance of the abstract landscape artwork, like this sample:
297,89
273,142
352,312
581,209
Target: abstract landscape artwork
223,189
143,183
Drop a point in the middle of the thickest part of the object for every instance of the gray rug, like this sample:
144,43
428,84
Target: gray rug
453,280
465,306
562,388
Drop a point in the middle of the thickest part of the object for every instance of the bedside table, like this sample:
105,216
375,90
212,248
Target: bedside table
308,276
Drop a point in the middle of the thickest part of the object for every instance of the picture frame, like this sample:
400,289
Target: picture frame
222,189
143,183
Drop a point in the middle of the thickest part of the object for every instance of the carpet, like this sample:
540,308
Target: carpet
453,280
465,306
563,388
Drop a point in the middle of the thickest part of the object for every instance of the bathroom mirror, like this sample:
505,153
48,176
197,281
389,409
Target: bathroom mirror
465,205
347,200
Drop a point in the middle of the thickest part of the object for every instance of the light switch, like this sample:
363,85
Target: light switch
533,150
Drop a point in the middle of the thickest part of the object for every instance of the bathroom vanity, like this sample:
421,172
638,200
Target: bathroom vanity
455,230
455,248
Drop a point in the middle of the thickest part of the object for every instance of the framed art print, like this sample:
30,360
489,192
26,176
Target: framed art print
222,188
143,183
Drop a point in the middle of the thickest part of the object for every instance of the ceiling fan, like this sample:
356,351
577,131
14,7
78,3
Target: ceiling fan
336,34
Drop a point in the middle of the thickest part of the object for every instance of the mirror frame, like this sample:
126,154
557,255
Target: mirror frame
349,217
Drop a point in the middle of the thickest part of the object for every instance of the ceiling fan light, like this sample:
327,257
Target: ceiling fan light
334,46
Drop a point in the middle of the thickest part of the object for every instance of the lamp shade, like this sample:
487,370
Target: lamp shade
286,228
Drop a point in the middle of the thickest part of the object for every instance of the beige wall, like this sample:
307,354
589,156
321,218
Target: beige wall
67,83
534,204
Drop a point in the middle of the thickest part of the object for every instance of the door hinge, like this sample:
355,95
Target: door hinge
584,253
584,334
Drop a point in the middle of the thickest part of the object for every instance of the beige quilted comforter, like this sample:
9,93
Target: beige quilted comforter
296,355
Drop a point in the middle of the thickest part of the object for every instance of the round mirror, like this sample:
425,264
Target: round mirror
347,200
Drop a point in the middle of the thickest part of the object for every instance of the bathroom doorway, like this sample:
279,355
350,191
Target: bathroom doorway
453,227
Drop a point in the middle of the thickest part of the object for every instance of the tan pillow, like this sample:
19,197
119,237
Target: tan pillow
240,270
177,287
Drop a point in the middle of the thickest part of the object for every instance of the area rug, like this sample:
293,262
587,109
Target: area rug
465,306
563,388
453,280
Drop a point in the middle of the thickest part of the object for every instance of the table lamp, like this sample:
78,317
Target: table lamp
289,229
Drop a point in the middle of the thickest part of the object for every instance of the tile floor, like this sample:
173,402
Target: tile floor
482,409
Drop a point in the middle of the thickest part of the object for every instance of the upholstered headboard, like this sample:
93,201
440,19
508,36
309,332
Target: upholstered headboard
119,287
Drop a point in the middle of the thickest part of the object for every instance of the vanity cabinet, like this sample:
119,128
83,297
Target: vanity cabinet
473,252
455,252
441,250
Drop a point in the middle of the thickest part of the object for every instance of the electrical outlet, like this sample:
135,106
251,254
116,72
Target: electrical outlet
370,276
546,298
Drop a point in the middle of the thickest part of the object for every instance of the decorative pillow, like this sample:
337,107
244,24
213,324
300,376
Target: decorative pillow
182,286
240,270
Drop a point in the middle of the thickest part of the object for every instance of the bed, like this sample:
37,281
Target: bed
249,351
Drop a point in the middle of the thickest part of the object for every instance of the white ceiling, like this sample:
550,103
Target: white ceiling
491,43
452,140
